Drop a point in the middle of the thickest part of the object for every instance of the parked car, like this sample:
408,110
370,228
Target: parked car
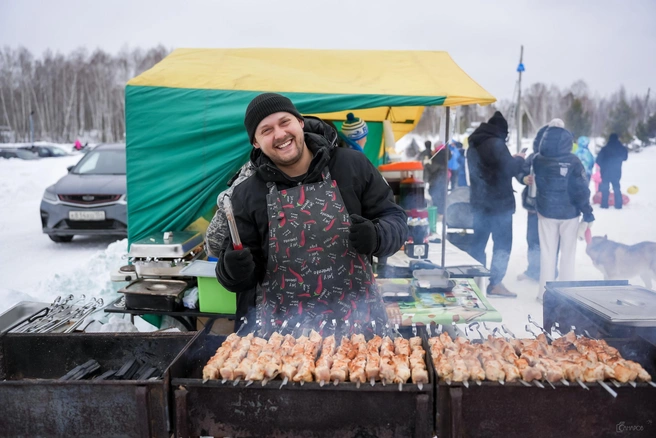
21,153
91,199
47,151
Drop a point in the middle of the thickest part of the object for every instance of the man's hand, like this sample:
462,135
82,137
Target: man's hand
583,227
238,264
528,180
521,155
362,234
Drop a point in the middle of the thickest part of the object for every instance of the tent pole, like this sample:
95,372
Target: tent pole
446,183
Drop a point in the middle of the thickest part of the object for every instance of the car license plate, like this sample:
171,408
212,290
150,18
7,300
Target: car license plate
86,215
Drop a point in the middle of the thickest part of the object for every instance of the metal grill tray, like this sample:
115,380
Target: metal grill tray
178,246
626,304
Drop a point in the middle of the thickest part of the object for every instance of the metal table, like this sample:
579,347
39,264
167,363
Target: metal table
187,317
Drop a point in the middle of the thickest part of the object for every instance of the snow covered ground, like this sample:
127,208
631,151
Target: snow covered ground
32,267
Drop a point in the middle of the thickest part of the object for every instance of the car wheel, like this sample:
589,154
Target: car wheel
60,239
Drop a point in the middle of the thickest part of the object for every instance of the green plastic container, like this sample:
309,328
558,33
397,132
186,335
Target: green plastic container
432,219
212,297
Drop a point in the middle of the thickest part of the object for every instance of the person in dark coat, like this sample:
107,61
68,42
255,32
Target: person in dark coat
436,173
562,196
526,177
309,219
491,170
610,160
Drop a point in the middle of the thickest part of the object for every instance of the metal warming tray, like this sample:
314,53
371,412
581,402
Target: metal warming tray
622,304
19,313
177,245
165,255
154,294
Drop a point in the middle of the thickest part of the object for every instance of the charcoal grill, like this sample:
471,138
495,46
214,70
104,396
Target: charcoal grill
515,410
217,409
596,307
35,403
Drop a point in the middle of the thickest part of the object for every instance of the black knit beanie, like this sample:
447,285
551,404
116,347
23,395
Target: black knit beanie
263,106
499,121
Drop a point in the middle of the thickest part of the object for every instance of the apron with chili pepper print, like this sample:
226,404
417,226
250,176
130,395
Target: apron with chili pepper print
313,273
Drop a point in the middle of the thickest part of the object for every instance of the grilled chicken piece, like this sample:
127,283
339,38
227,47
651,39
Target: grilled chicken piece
443,367
419,375
554,372
387,370
415,342
325,361
401,368
446,340
460,370
493,370
402,346
643,376
511,371
435,344
372,369
531,373
357,368
244,367
305,370
387,347
211,370
476,371
593,373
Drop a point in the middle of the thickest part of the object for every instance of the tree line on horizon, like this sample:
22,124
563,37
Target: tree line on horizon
82,96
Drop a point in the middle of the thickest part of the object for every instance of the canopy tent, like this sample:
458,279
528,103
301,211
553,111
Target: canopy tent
184,117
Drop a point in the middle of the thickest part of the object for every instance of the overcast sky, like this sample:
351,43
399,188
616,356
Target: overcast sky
607,43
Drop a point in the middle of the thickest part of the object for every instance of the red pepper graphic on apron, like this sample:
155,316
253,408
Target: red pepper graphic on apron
325,206
315,249
295,274
301,199
282,285
301,243
319,286
330,224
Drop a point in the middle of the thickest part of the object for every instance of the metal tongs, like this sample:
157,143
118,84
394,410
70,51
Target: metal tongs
230,215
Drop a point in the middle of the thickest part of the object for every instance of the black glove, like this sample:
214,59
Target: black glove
362,234
238,264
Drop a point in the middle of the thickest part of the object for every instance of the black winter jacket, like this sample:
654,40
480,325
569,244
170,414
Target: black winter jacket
562,184
362,187
610,159
491,170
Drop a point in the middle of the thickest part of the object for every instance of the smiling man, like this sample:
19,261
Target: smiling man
309,218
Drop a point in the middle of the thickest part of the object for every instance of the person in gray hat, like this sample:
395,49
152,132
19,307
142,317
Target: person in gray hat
310,218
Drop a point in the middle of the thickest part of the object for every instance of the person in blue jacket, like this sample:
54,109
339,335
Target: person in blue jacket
454,163
562,196
462,169
610,160
586,157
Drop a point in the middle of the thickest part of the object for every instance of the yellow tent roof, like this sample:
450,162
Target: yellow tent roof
370,72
